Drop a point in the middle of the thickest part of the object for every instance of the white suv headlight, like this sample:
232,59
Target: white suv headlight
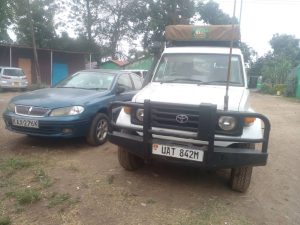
67,111
227,123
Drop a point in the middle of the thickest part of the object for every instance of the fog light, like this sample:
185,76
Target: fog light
67,130
227,123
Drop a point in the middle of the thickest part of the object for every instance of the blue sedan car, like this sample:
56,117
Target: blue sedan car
76,107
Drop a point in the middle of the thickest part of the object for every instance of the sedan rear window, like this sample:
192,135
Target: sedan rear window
13,72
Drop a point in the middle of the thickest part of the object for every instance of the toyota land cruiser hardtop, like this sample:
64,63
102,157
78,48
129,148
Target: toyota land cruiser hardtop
195,108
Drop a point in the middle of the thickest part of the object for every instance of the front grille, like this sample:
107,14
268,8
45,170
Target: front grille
32,111
165,117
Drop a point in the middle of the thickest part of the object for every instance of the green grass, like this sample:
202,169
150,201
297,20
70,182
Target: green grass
58,199
24,197
5,221
10,166
215,213
41,176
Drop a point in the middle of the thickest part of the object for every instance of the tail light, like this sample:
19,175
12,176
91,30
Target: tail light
6,77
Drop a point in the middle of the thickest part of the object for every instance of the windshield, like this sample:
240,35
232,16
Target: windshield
198,68
13,72
88,80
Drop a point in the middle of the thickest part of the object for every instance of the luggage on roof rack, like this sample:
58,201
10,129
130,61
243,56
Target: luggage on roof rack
212,33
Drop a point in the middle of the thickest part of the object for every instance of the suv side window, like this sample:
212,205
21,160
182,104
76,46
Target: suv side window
125,82
137,81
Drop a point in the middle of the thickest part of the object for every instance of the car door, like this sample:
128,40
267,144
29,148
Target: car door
124,81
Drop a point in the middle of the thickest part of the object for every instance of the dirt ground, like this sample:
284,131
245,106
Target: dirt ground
78,184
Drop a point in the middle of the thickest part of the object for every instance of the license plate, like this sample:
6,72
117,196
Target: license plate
25,123
16,84
178,152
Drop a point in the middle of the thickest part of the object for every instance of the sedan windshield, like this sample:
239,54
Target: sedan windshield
199,69
88,80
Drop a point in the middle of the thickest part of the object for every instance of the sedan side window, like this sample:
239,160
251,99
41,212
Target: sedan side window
137,81
125,82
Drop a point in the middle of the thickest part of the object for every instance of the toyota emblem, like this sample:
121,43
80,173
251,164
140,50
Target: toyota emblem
182,118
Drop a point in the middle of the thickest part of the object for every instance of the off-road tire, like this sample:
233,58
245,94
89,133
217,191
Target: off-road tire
128,160
93,135
241,177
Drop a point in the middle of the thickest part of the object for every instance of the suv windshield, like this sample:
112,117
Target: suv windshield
88,80
13,72
199,68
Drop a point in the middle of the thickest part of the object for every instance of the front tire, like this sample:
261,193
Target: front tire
98,131
129,161
241,177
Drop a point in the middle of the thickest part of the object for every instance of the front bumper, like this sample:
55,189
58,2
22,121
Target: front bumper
71,126
214,157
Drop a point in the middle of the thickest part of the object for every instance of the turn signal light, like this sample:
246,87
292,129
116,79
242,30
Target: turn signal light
127,109
249,120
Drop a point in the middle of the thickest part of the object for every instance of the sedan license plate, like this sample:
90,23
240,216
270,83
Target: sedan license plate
177,152
25,123
16,83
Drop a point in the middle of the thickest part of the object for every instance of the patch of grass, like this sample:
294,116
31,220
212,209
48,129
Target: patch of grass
215,213
9,166
58,199
5,221
150,201
23,197
110,179
41,176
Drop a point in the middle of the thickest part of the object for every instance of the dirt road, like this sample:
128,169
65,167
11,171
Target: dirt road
77,184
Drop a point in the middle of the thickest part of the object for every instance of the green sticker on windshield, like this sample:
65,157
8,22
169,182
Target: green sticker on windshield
200,33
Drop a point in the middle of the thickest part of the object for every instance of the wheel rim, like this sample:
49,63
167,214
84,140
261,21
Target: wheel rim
101,130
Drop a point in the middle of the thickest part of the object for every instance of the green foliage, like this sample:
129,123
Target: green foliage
211,13
24,197
286,46
291,83
5,221
273,89
58,199
10,166
43,178
42,14
6,19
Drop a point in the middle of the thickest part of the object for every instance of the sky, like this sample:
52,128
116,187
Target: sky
262,18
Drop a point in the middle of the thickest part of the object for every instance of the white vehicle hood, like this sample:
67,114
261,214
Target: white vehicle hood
192,94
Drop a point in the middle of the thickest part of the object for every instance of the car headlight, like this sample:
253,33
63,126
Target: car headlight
11,107
140,114
67,111
227,123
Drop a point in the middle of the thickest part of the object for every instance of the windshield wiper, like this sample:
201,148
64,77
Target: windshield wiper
198,82
181,79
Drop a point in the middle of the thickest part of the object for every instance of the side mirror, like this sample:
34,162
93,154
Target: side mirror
120,90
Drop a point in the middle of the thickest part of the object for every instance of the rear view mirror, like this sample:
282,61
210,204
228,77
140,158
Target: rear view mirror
120,89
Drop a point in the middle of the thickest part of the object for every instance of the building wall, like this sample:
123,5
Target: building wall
75,61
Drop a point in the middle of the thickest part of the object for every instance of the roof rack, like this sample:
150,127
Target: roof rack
213,35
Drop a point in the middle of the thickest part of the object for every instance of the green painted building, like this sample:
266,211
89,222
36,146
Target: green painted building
143,63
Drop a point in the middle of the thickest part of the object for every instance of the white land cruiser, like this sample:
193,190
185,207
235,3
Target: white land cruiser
181,115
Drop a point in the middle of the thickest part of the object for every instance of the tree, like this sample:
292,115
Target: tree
210,13
248,53
286,46
42,14
6,18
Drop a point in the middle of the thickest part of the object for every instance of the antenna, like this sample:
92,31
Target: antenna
226,98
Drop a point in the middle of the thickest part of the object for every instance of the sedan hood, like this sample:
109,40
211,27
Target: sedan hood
191,94
58,97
